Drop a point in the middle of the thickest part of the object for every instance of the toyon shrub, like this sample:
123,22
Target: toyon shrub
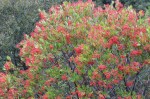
79,51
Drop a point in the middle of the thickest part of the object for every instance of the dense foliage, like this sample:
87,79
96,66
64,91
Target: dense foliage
18,17
78,50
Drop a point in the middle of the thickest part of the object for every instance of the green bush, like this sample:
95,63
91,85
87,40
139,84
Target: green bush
18,17
78,50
